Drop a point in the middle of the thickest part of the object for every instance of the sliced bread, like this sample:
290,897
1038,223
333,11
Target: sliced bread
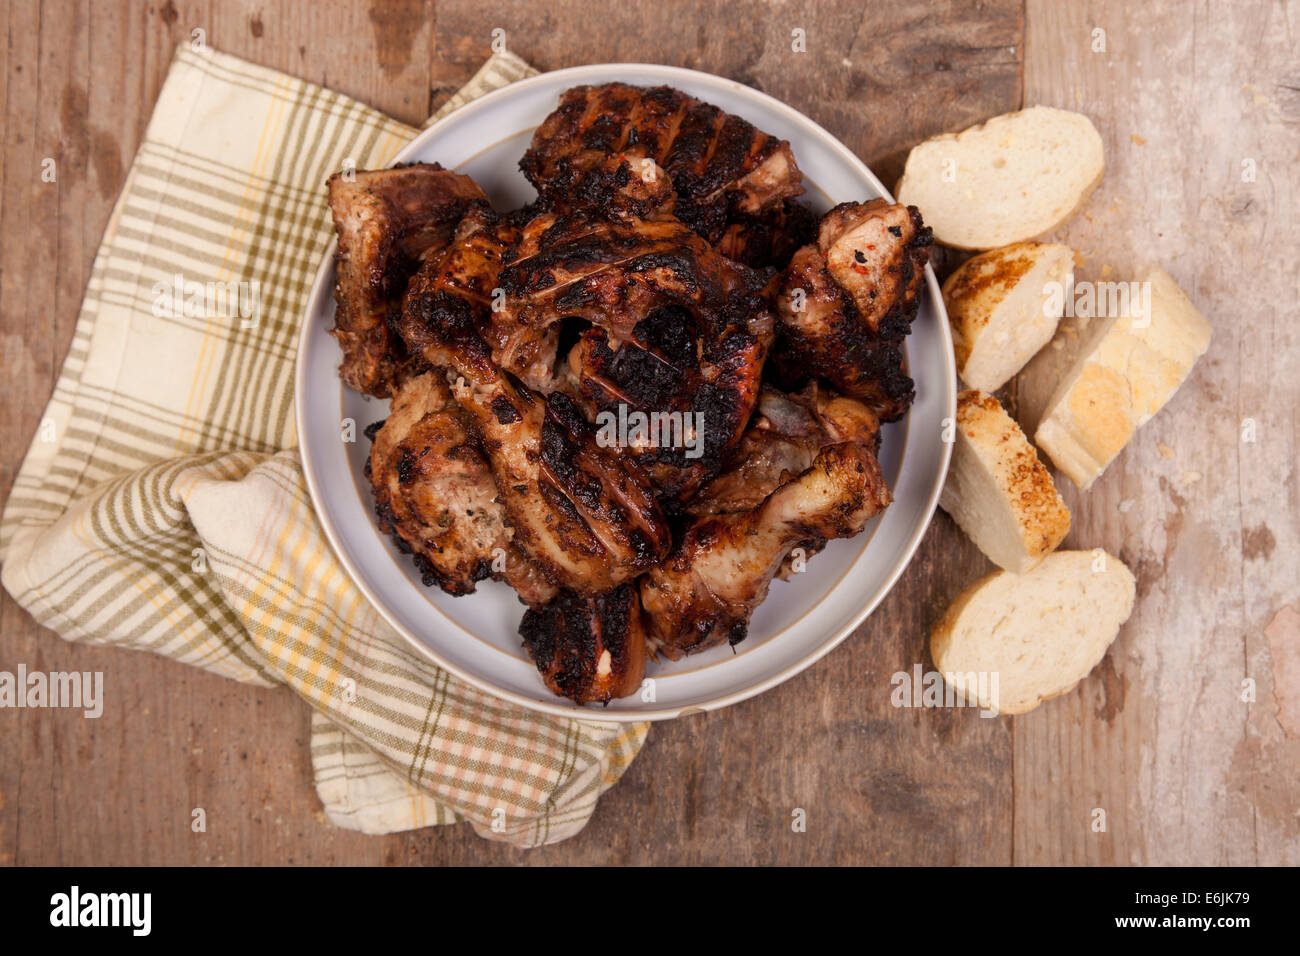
1004,305
1012,178
1040,633
998,491
1131,367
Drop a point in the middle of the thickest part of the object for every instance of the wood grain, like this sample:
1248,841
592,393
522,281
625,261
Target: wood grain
1186,777
1187,772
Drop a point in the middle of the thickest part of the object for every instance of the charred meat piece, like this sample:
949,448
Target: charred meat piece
435,493
704,592
387,220
674,403
578,511
877,253
845,305
588,649
767,240
612,185
672,328
782,440
720,165
469,269
614,272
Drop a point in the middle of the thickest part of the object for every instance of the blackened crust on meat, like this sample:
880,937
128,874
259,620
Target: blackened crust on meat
433,490
588,649
504,411
442,320
719,164
387,221
768,239
846,304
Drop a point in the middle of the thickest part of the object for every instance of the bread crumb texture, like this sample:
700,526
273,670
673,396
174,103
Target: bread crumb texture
1040,633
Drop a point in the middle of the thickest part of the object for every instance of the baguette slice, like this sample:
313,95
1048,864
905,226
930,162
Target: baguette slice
1040,633
1013,178
998,491
1131,368
1004,305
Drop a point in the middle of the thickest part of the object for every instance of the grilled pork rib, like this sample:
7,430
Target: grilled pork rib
387,220
845,305
720,165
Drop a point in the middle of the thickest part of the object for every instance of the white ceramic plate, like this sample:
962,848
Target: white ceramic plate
475,637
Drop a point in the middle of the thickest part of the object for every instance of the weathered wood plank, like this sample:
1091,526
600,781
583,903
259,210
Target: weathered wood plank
80,81
1183,94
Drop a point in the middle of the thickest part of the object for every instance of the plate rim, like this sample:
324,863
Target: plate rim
567,710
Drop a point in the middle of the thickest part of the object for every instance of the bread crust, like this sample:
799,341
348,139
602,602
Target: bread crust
1129,371
960,219
1002,310
994,455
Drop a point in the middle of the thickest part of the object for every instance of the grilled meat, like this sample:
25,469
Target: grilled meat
387,220
468,269
671,328
692,395
612,272
704,592
612,185
588,649
877,253
578,511
781,442
720,165
769,238
569,377
845,305
435,494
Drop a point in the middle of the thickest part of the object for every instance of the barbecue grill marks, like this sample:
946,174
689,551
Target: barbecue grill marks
579,513
767,239
609,184
468,269
387,221
719,164
588,649
830,340
665,326
434,493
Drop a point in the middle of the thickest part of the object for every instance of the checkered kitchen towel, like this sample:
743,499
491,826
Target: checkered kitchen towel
162,504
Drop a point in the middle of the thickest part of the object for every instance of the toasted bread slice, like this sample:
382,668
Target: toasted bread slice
1040,633
998,491
1130,369
1004,305
1010,179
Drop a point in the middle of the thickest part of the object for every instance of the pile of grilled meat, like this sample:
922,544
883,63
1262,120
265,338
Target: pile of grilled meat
665,267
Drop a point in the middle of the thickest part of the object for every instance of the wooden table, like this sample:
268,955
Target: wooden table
1187,96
